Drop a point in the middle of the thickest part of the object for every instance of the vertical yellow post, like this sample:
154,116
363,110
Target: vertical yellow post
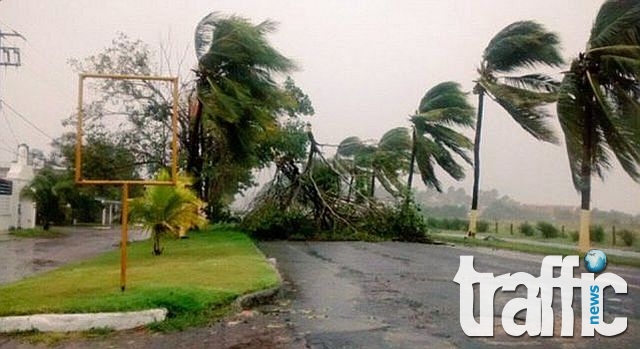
174,132
124,237
78,162
473,223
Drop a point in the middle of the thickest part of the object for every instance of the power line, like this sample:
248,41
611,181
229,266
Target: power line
6,144
8,150
8,26
13,134
24,118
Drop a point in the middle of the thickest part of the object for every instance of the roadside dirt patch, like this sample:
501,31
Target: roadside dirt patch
268,326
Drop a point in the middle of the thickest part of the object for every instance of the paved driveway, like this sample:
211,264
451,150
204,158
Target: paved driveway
20,257
398,295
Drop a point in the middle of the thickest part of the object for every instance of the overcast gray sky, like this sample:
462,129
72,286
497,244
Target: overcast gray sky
365,65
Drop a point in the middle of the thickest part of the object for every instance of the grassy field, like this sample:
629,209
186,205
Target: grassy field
528,248
193,278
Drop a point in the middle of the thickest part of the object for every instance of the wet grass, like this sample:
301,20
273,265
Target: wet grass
192,279
35,233
528,248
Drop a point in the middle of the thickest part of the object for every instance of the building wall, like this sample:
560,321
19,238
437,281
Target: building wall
15,211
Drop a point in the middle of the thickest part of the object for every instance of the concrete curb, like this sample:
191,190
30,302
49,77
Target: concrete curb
251,300
81,322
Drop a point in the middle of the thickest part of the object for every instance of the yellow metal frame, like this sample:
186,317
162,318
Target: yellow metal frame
125,182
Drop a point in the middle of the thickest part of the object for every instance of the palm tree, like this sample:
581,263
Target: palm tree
382,161
433,141
353,158
519,46
237,106
168,210
391,159
599,103
43,189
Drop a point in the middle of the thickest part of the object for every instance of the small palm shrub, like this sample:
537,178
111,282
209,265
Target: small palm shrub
168,211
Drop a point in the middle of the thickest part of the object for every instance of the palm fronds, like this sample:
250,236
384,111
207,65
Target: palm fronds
522,44
599,102
168,210
434,140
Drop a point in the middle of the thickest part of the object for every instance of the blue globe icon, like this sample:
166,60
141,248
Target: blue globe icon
595,261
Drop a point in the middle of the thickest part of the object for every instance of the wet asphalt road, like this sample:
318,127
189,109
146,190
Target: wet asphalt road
399,295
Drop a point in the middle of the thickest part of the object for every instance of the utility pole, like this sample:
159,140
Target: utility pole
9,55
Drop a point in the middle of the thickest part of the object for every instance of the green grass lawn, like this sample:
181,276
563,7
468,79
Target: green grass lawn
191,279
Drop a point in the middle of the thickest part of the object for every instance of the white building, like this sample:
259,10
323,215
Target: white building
15,211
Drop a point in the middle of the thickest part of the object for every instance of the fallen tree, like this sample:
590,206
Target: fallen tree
314,200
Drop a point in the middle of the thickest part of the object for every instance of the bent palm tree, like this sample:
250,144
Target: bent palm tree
391,159
168,210
518,46
433,140
599,103
382,161
353,158
238,102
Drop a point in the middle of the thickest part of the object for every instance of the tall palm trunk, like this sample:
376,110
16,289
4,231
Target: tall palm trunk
584,243
473,215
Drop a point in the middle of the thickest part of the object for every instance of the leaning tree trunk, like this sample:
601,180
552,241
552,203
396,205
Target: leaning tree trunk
584,242
351,180
411,163
473,214
194,155
373,183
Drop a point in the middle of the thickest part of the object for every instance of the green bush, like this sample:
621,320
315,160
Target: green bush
627,236
526,229
433,223
575,236
402,222
547,230
272,223
596,233
447,223
482,226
